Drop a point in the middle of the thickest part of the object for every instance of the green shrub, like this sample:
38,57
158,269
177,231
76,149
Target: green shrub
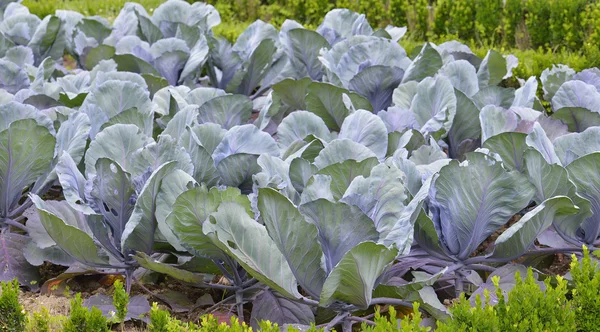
82,320
417,18
537,16
397,12
462,19
527,308
442,17
390,324
120,301
512,16
585,295
39,321
488,21
12,315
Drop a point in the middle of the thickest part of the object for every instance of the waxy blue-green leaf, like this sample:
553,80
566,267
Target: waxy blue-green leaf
248,242
72,240
340,226
367,129
519,237
295,238
26,151
352,280
576,118
469,202
340,150
191,210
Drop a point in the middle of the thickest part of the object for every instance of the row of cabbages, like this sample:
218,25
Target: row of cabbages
310,168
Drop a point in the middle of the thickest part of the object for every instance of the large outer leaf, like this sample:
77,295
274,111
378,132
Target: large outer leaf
583,172
342,174
110,194
434,105
340,150
141,226
72,240
463,76
13,77
298,125
577,94
12,262
113,97
493,69
352,280
470,202
549,179
183,275
367,129
246,139
254,69
426,64
572,146
117,142
26,150
190,211
326,101
465,131
235,232
72,136
204,166
172,185
377,84
72,183
510,146
576,118
295,238
273,307
553,78
151,156
47,41
227,111
340,227
303,50
514,241
381,196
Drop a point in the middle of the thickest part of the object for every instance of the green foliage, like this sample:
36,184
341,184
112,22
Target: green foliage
527,308
120,301
512,16
585,295
39,321
487,21
408,324
12,315
462,19
417,18
536,18
81,319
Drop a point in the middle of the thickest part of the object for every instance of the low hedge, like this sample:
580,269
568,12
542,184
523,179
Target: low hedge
559,305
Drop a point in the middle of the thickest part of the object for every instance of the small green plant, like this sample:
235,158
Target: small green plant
585,295
527,308
385,323
82,320
39,321
12,315
120,301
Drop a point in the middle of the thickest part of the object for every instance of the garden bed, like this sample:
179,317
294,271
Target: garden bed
310,178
